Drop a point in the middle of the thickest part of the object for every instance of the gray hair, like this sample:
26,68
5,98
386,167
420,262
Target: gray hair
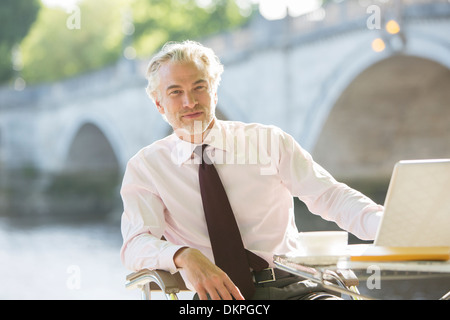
186,51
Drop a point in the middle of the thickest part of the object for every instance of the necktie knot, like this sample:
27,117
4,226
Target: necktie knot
201,152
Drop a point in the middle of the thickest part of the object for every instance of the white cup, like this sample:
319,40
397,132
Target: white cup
322,243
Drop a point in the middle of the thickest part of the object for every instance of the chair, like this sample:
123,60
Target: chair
171,284
147,280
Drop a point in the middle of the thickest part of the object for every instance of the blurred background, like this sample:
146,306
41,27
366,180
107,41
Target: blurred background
361,84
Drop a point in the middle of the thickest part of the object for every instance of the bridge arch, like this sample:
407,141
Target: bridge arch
420,44
90,172
395,109
90,150
90,144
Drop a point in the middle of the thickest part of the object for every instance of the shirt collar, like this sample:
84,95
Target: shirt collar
217,138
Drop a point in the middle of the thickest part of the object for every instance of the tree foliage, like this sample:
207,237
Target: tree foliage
158,21
16,18
53,51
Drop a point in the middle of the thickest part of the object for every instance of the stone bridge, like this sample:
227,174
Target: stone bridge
356,92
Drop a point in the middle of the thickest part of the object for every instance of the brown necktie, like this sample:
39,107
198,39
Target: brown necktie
228,249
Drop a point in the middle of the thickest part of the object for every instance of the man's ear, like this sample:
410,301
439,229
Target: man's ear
159,107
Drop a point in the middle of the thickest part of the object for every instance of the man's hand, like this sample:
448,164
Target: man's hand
205,276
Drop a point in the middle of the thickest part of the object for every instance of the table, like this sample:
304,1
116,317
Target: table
337,274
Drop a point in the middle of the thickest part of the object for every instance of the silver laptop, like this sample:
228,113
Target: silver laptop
417,205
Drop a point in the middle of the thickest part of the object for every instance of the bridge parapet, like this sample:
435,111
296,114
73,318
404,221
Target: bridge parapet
331,19
288,73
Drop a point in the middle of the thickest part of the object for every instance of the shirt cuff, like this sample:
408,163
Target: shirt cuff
166,258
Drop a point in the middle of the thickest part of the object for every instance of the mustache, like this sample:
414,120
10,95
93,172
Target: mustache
196,109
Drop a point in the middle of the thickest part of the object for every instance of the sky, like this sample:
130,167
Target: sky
65,4
270,9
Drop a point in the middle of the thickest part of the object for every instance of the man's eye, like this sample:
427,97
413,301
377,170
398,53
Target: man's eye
200,88
175,92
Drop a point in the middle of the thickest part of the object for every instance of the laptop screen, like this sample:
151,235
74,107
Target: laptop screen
417,205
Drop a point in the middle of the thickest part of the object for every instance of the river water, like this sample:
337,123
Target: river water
47,260
61,261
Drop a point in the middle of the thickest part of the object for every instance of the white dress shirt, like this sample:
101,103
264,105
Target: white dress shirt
261,168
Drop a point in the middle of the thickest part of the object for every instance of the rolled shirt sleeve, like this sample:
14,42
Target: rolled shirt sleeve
323,195
143,224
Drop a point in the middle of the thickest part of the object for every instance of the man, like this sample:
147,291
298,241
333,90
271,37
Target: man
261,169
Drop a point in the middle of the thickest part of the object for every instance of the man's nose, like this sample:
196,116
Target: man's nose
189,100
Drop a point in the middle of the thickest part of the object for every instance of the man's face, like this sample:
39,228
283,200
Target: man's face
186,97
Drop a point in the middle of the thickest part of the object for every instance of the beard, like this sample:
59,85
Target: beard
194,127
